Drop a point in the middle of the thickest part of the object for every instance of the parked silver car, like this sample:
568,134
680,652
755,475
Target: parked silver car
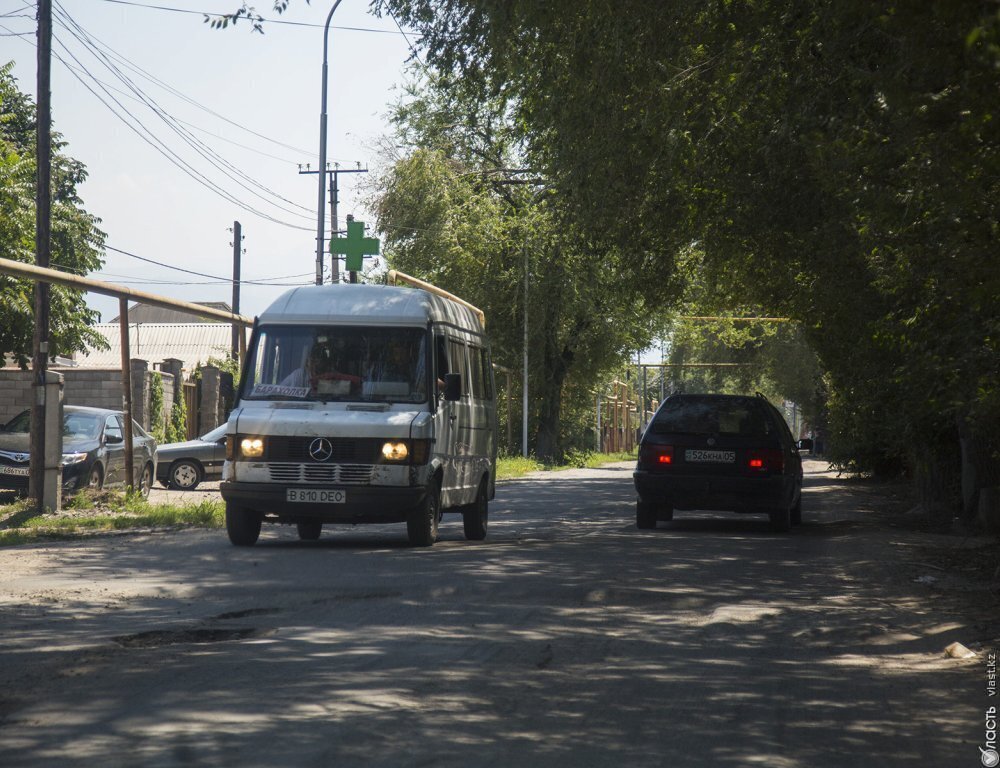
182,466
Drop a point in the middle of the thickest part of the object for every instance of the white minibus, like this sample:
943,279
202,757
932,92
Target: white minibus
362,404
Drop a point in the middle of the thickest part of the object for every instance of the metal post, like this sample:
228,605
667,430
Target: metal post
320,213
524,393
127,387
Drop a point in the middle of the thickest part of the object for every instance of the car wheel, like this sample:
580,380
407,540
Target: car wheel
781,519
146,481
95,480
422,521
645,514
242,525
184,475
796,516
475,517
310,530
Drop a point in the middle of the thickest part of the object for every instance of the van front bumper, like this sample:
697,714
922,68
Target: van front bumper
361,504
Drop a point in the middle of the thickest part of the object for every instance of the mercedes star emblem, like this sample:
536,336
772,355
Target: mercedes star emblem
320,449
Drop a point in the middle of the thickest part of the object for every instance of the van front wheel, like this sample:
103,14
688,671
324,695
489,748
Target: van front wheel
476,515
422,520
242,525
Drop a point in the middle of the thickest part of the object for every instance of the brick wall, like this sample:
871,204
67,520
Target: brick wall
96,387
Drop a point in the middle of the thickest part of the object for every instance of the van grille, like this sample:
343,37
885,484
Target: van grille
296,449
342,474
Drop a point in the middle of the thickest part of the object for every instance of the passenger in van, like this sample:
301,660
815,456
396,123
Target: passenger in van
323,373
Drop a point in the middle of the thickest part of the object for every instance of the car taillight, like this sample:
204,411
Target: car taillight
769,460
656,455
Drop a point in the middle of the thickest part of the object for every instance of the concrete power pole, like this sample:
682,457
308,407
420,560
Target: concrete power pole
43,234
237,252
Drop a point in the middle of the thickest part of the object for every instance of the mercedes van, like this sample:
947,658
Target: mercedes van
362,404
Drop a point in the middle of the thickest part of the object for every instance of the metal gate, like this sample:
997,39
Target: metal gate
191,409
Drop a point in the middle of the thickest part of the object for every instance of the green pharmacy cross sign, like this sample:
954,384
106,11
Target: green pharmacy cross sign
355,246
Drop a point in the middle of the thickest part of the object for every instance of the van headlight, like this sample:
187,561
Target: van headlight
395,451
252,447
406,451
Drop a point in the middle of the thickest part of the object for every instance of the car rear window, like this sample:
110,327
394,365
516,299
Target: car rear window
713,416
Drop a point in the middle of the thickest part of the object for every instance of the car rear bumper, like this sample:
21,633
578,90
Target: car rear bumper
736,494
362,504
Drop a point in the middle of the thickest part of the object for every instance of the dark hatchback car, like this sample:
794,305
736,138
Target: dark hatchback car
183,465
718,452
93,452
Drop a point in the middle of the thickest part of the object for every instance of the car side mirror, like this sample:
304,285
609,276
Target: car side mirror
805,444
113,439
452,386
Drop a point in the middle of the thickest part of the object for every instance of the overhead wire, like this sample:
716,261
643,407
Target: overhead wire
282,22
219,163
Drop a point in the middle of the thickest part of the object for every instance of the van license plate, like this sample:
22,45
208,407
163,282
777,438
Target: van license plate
315,496
711,457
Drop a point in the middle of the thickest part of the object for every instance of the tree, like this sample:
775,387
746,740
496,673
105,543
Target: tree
76,239
452,213
837,163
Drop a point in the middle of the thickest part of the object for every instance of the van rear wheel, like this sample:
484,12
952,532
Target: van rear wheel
242,525
475,517
422,520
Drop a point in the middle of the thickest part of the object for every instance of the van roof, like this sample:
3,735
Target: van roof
366,305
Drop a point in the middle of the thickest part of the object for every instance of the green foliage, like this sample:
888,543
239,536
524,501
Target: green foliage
452,214
76,244
106,511
177,426
157,427
835,163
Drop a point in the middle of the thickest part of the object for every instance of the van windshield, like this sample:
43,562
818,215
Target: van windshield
337,363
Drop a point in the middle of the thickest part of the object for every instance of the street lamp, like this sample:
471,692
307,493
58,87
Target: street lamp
320,214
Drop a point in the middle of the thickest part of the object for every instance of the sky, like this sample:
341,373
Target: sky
246,108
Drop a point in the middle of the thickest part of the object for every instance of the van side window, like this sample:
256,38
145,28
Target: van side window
456,355
441,356
479,367
487,374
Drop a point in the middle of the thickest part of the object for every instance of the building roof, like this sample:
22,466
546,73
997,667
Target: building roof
192,343
144,313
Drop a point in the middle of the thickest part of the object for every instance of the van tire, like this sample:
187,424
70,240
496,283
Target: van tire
475,516
422,520
310,530
242,525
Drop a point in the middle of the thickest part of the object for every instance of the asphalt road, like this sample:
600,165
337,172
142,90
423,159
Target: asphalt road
568,638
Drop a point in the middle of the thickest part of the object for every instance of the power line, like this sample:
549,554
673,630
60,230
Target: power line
257,281
218,162
141,131
208,14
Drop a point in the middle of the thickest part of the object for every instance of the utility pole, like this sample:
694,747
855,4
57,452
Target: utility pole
333,173
43,236
237,253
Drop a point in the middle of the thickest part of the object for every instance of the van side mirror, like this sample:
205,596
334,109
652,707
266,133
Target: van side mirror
452,386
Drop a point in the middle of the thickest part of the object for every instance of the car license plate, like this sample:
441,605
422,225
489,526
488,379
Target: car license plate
710,457
20,471
315,496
